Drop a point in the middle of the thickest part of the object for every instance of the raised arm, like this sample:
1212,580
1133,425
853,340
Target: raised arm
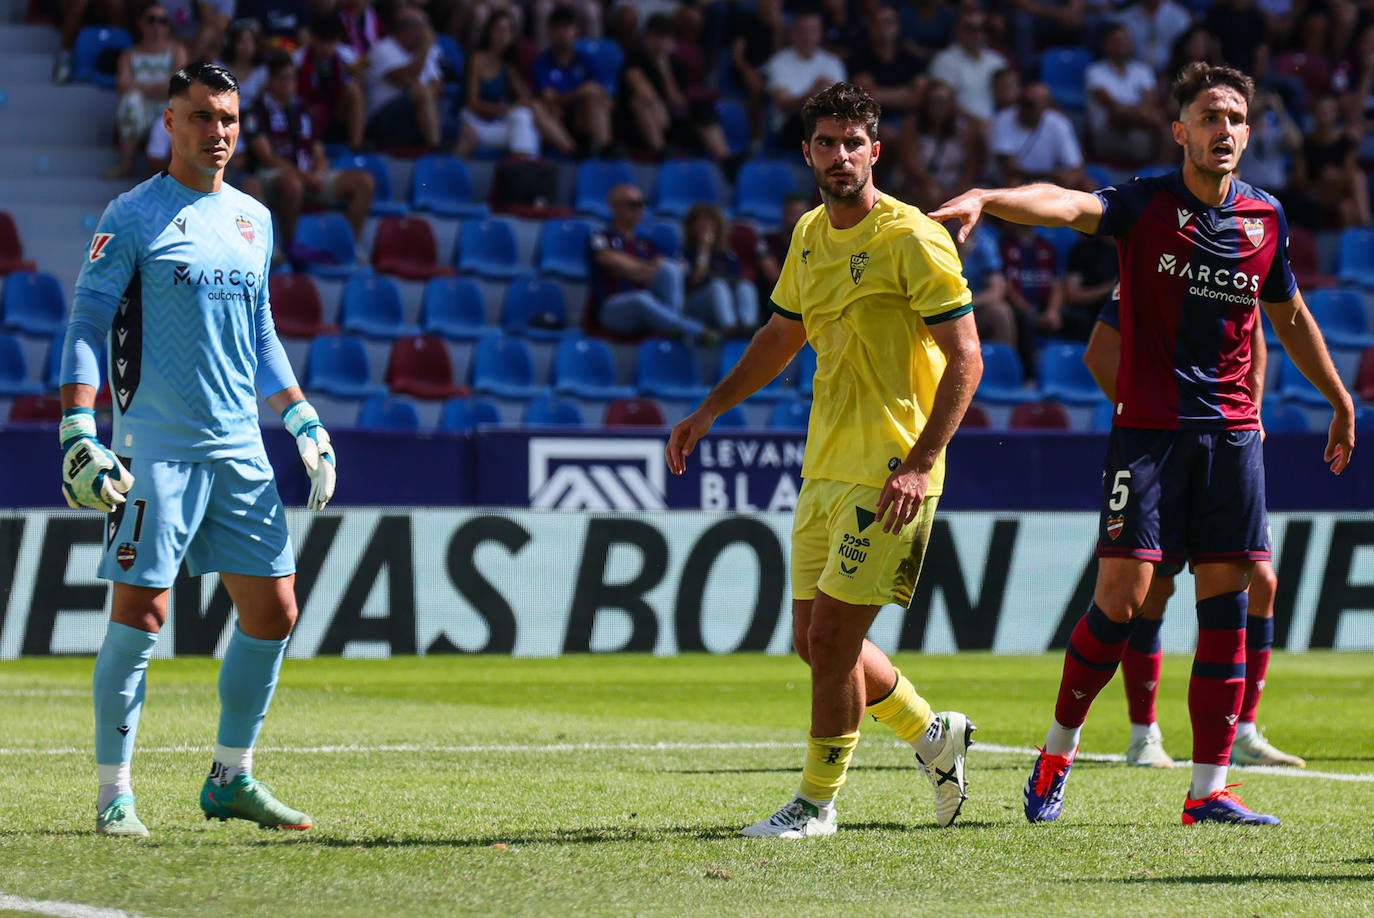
1040,204
1303,341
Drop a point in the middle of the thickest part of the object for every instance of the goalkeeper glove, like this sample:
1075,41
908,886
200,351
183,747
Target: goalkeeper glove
92,476
312,440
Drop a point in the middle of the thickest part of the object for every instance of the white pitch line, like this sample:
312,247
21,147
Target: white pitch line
61,909
564,748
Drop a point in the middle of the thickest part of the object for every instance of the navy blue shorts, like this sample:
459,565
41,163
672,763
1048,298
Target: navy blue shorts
1172,496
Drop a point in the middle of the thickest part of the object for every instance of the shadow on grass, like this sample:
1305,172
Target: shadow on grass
1227,879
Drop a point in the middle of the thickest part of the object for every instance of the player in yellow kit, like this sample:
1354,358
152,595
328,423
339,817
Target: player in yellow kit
878,290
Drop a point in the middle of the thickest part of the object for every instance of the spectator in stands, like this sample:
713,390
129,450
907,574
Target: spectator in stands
1274,140
1034,288
758,36
471,18
1328,168
403,84
716,289
983,270
1006,88
772,248
634,290
927,27
283,21
290,159
587,18
969,64
1090,277
844,29
568,85
1155,24
1032,142
327,86
1125,119
76,14
1241,33
797,72
1308,64
1194,44
200,25
497,110
362,26
144,70
941,149
1040,24
882,67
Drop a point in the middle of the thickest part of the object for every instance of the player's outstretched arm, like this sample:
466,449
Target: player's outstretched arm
1300,337
767,355
1040,204
312,442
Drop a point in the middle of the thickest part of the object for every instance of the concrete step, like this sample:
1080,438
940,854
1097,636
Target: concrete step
16,36
57,160
79,115
20,69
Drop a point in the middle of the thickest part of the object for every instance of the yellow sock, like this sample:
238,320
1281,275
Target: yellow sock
827,760
907,713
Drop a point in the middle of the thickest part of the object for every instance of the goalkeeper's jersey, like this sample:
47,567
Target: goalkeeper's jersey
176,281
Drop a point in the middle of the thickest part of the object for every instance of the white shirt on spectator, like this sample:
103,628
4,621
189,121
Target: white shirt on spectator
970,77
1127,87
384,57
1047,147
790,71
1154,34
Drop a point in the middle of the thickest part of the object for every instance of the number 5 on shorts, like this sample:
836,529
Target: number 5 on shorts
1121,490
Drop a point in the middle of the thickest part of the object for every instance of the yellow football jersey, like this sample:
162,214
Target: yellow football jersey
866,296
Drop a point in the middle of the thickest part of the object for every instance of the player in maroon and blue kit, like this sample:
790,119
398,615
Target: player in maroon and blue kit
1184,474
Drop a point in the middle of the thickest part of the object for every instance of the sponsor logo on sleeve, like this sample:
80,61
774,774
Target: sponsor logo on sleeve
98,243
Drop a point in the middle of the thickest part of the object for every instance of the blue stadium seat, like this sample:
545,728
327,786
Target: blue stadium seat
388,413
734,419
594,180
1282,417
806,370
338,365
487,248
761,188
776,389
563,248
464,415
371,305
383,201
549,410
1062,238
609,57
1003,381
1062,69
734,122
14,369
666,235
452,307
534,309
792,414
1355,260
92,43
668,370
1293,386
442,185
1364,421
585,367
32,303
324,245
684,182
502,366
1065,378
1342,317
1104,412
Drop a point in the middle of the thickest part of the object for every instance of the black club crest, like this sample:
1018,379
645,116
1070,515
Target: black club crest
857,263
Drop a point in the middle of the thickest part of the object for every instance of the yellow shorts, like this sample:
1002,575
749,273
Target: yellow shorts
839,549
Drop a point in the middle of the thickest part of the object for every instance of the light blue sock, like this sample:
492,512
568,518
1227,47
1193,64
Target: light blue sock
121,670
247,678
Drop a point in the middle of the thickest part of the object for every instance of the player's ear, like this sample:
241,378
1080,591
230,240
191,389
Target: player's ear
877,149
1180,133
806,152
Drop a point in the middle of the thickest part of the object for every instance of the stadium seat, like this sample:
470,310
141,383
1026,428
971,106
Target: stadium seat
1039,416
406,247
586,368
1003,381
1293,386
792,414
324,245
421,366
594,180
1062,69
1355,259
761,188
563,248
36,409
96,46
1062,238
338,365
464,415
730,351
806,370
14,368
1065,378
734,419
502,366
634,412
682,183
452,307
1364,421
1305,259
609,57
1104,413
734,122
534,309
388,413
296,305
668,370
549,410
1341,316
11,248
33,303
383,202
744,242
1282,417
1364,375
487,248
371,306
666,235
441,184
975,418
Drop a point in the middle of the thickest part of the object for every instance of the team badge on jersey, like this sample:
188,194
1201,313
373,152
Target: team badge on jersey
857,263
126,555
1254,231
1115,524
245,227
98,243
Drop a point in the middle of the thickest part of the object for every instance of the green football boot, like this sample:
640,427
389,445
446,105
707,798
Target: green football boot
247,798
119,820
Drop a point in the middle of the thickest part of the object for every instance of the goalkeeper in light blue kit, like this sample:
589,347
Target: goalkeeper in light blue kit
176,281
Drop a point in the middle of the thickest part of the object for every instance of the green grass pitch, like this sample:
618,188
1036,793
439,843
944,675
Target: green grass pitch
616,785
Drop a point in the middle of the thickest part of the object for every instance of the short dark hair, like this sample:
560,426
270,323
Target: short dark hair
327,26
845,102
218,79
562,15
1198,77
278,60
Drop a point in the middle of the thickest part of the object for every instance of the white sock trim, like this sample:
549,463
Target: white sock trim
1207,780
1062,740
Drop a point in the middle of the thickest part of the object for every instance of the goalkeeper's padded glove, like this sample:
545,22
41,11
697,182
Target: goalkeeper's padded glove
312,440
92,476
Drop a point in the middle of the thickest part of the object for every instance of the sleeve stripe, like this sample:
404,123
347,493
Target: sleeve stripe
952,314
785,313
